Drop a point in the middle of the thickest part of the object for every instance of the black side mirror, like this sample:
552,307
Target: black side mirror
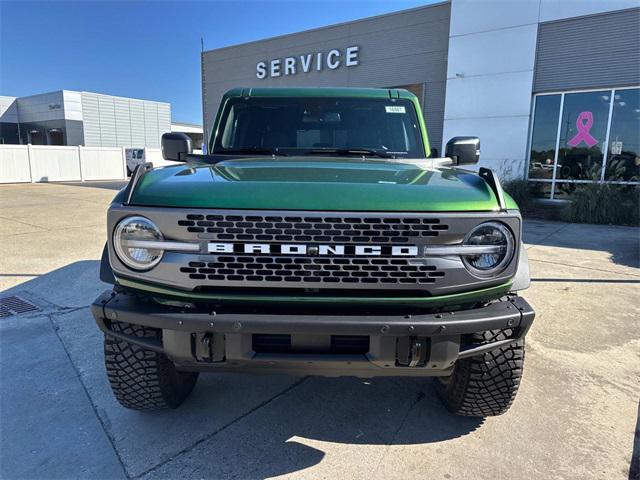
175,146
463,150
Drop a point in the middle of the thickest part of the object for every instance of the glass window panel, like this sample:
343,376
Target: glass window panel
582,135
623,159
543,136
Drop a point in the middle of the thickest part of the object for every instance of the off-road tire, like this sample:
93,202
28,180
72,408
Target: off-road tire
142,379
484,385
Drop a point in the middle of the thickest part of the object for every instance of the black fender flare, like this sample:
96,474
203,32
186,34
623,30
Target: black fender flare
106,273
522,278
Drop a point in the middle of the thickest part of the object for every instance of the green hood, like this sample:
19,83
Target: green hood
303,183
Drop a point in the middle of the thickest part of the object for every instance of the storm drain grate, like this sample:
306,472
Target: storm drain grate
15,306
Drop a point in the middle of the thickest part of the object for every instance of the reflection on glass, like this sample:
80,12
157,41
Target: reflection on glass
582,135
543,137
623,159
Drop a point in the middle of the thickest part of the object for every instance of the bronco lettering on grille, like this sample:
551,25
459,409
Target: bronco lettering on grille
315,250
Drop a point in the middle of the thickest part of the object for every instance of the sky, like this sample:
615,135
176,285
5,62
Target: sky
147,49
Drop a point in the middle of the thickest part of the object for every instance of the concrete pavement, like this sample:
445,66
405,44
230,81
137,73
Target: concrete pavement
575,415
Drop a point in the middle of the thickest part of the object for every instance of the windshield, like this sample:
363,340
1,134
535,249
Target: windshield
312,126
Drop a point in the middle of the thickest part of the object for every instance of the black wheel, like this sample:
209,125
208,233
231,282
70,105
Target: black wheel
142,379
487,384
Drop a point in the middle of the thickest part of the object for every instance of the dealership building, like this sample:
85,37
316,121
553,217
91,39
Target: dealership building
551,88
72,118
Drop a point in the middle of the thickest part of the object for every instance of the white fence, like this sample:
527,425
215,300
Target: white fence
14,164
100,163
45,163
154,155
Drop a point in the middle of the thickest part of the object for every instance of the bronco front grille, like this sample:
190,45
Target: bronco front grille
313,251
310,270
331,229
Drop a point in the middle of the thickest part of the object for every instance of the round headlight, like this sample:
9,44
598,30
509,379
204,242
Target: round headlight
128,233
501,243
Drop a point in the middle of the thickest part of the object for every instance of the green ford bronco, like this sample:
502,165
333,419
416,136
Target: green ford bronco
318,236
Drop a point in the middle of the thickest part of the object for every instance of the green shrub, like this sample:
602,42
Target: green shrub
520,191
605,204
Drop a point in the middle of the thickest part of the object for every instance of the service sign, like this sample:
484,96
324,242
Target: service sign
305,63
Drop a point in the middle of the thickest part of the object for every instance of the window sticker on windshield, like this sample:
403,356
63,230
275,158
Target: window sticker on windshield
395,109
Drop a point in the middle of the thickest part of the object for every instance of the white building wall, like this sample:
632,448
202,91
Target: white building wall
123,122
72,102
41,108
8,109
107,113
151,133
489,78
72,105
91,120
492,47
137,122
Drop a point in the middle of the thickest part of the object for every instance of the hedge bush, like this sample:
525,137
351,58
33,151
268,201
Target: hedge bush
521,192
604,203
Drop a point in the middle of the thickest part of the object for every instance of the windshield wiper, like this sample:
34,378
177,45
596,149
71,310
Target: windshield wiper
250,151
361,152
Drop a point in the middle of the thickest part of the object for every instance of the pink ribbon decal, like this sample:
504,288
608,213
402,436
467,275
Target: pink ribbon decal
584,123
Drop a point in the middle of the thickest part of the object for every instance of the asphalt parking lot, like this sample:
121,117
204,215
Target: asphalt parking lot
576,415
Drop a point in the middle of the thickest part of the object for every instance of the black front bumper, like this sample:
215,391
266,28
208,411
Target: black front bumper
400,345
